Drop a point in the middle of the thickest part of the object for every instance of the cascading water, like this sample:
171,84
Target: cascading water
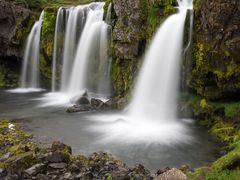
58,44
109,14
151,116
30,67
86,62
104,82
76,19
155,95
104,69
87,46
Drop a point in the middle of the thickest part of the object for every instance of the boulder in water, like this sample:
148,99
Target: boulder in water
79,108
83,101
95,103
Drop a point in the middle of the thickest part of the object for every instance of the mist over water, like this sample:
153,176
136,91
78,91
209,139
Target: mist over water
151,115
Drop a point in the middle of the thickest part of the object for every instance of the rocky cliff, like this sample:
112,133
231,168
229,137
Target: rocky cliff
15,23
216,73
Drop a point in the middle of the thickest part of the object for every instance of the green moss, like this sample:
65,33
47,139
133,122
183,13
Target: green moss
203,104
198,173
8,78
109,177
47,43
48,30
2,165
24,28
156,14
12,138
231,109
220,168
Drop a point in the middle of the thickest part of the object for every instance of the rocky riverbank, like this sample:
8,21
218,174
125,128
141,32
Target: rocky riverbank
22,158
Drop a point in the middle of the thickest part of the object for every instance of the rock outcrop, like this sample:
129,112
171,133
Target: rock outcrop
15,23
215,73
12,19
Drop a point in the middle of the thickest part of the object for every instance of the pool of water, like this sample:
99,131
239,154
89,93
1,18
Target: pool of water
90,132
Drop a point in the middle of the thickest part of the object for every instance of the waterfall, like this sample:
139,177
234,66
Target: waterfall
155,95
84,62
151,115
30,67
58,45
91,60
104,69
109,14
75,20
104,82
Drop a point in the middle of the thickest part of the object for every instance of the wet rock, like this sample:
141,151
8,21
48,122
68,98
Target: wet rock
79,176
57,157
67,175
58,165
5,157
88,175
59,146
173,174
128,42
12,177
16,164
85,94
42,177
37,168
12,19
83,101
109,102
185,168
121,175
95,103
160,171
2,172
104,106
217,43
74,168
79,108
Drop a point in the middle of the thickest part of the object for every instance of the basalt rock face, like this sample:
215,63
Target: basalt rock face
216,73
14,23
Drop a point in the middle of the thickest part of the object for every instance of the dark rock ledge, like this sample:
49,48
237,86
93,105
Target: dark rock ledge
22,158
87,103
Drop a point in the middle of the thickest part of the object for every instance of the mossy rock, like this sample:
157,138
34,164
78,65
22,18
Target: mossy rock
18,163
215,67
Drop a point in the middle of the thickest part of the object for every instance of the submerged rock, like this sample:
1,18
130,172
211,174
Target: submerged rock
79,108
83,101
96,103
83,104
